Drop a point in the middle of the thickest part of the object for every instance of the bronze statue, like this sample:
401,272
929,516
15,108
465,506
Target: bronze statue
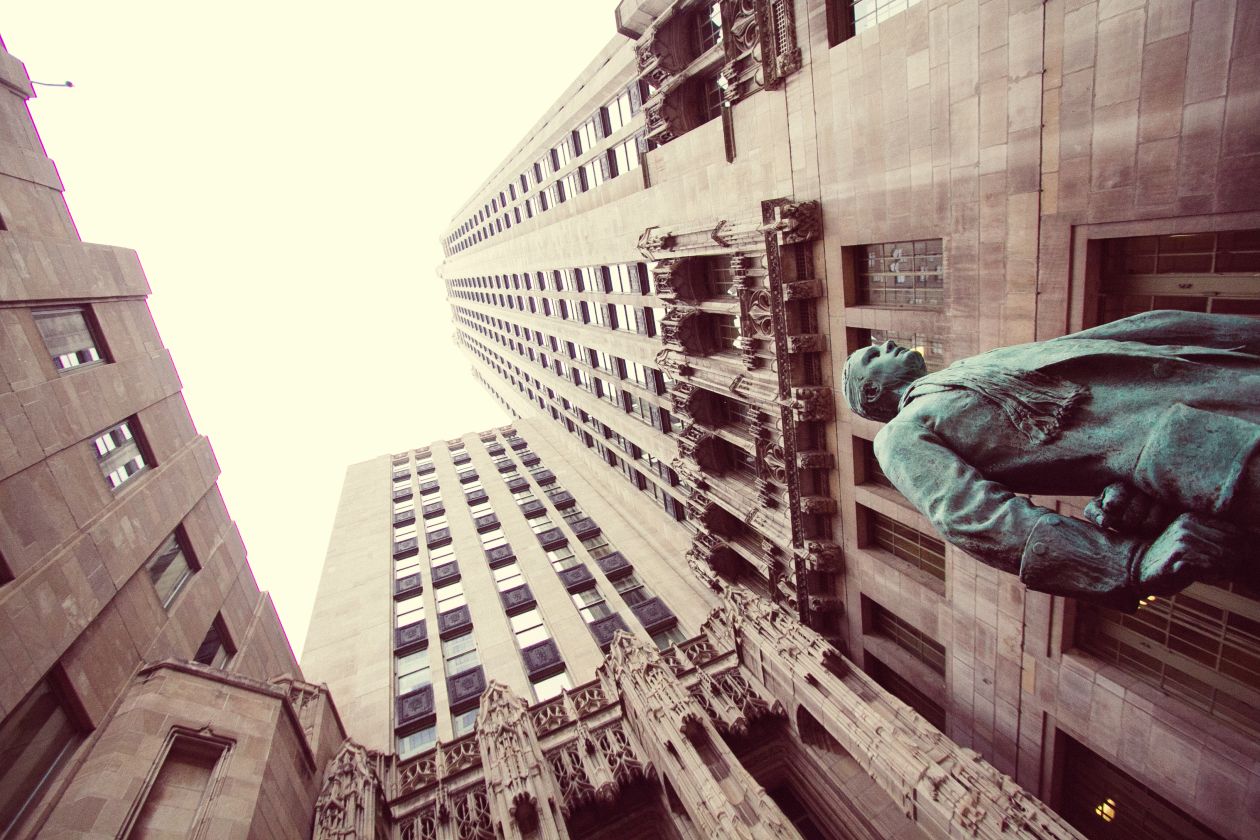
1157,416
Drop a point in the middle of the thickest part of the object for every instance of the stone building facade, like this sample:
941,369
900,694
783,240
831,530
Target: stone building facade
518,652
147,687
673,266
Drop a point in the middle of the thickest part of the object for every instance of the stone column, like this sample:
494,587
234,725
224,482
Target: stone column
948,790
719,796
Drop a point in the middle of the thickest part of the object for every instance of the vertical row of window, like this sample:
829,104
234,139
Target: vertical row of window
639,407
622,157
584,589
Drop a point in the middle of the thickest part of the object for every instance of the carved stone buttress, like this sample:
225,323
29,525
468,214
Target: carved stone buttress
679,738
522,793
949,790
347,807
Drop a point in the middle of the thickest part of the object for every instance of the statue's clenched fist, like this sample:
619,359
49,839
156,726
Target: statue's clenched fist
1191,548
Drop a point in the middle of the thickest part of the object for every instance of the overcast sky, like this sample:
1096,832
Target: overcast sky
285,170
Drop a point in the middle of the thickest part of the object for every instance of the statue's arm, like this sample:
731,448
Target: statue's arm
1167,326
1049,552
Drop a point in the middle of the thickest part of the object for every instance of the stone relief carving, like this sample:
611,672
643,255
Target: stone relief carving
347,805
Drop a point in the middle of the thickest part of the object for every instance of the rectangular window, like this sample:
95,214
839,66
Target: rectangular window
464,722
449,597
930,347
591,604
901,274
669,636
911,545
909,638
169,569
35,737
175,801
906,691
409,611
506,577
1202,645
216,649
119,454
413,744
460,654
70,337
528,628
413,671
632,589
550,687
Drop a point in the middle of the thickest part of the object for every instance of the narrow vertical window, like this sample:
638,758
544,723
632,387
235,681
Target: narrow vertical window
34,739
216,649
169,569
175,804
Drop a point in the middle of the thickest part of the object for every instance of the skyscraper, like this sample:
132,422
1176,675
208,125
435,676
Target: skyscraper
518,650
673,264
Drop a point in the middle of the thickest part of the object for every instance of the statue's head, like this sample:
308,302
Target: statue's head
875,378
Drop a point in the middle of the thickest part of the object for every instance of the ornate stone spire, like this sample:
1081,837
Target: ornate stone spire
947,789
523,794
675,732
347,806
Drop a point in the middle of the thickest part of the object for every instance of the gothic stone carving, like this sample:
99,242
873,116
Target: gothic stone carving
794,222
939,784
519,787
347,806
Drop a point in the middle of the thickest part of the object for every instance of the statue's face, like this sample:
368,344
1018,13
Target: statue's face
874,377
888,362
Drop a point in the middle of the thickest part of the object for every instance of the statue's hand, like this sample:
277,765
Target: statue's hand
1191,548
1125,509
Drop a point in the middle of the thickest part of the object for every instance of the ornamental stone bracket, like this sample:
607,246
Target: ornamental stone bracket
720,797
700,237
707,451
792,222
677,278
351,802
948,790
743,71
814,403
781,56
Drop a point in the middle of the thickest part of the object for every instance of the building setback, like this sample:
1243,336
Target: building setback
147,687
668,273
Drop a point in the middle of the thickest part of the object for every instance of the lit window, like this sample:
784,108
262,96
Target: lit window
168,569
69,337
118,454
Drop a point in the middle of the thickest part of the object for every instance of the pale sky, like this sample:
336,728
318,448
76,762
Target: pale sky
285,170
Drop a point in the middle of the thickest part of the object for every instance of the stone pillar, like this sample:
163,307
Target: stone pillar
523,796
348,806
948,790
718,795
